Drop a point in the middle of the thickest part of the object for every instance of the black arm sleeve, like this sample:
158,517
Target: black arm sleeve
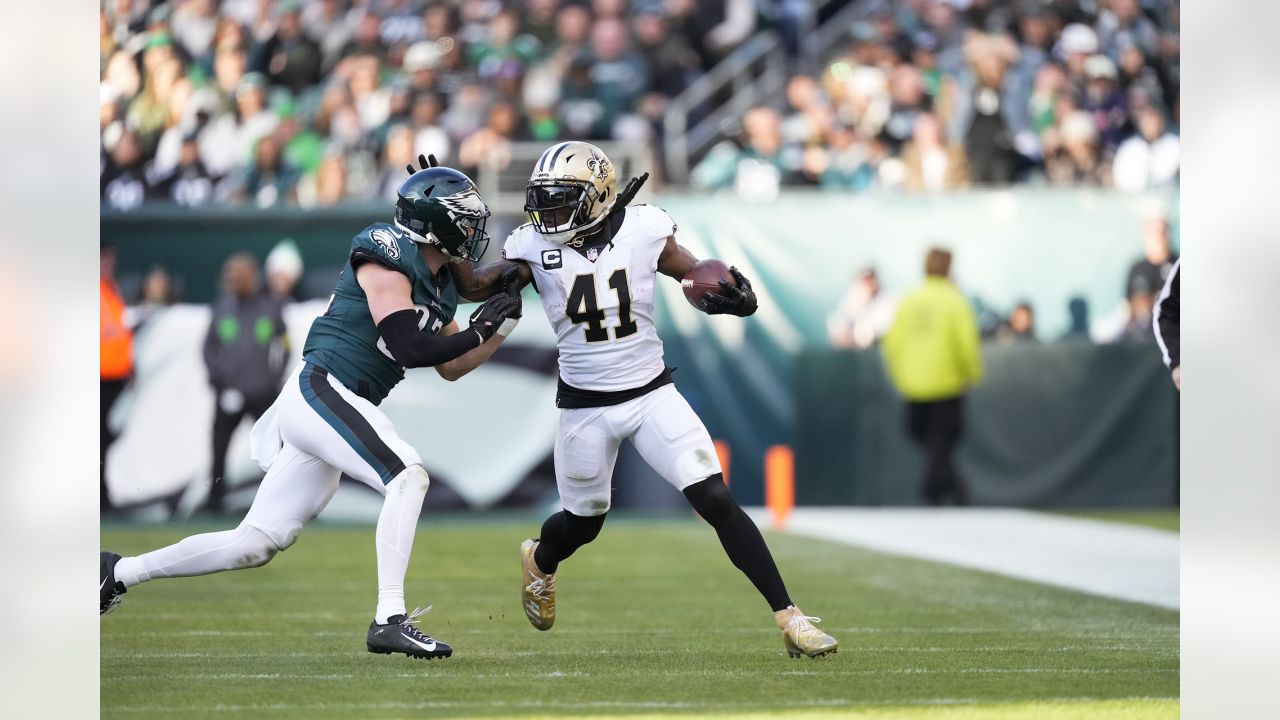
1166,320
412,347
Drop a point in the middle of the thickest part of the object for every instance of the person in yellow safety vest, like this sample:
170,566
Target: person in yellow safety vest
932,355
116,347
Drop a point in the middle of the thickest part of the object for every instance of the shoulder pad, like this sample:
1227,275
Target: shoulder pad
655,219
518,241
384,244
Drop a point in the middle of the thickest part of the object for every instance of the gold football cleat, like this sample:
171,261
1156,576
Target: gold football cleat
537,590
800,636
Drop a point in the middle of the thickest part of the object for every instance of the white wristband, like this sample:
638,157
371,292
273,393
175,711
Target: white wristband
507,326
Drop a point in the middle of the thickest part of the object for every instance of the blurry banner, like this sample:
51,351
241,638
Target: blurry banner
801,250
1065,425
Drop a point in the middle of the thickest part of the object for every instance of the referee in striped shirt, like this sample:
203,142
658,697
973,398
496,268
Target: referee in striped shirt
1164,320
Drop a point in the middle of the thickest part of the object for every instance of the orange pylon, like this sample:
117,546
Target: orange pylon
779,483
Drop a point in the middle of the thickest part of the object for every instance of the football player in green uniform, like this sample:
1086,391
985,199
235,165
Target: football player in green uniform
393,308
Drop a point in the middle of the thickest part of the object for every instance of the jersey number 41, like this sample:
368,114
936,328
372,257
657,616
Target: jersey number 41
583,307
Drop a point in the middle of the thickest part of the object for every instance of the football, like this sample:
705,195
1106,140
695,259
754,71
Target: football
702,278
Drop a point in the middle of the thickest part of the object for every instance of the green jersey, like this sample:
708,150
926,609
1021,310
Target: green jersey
345,342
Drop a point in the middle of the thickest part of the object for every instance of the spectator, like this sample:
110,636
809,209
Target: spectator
758,168
930,164
989,112
156,293
581,113
931,352
619,75
366,40
1020,327
429,138
1148,274
193,24
1150,158
284,270
328,185
1072,152
269,181
189,183
490,146
1122,25
290,59
1104,100
540,20
674,64
227,144
116,361
122,183
908,101
1078,311
863,315
245,352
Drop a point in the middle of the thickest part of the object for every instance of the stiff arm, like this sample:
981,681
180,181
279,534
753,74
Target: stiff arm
388,292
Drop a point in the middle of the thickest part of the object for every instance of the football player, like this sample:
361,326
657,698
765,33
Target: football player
393,308
595,261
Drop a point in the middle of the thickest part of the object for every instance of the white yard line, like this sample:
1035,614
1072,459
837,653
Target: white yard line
1128,562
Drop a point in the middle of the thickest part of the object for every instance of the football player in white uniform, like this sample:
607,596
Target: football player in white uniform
594,261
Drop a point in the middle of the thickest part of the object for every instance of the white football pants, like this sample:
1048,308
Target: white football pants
664,429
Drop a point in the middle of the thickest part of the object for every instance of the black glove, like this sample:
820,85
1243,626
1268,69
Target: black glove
426,161
511,283
740,300
499,314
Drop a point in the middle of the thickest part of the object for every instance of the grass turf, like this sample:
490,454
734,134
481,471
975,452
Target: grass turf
652,619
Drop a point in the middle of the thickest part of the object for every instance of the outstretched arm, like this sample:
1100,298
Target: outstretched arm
480,283
470,360
401,325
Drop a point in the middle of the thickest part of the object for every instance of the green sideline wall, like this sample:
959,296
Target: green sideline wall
753,381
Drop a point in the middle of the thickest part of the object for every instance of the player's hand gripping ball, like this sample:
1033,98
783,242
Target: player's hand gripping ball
717,289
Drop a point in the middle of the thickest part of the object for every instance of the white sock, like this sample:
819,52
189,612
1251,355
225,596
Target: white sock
242,547
397,524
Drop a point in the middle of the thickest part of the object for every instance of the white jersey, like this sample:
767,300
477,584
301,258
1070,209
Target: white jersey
601,308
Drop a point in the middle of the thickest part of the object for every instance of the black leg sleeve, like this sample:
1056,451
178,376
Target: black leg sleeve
562,534
740,537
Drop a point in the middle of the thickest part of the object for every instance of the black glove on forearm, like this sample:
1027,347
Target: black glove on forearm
731,300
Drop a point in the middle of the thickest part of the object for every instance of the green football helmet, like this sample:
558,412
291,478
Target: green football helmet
442,207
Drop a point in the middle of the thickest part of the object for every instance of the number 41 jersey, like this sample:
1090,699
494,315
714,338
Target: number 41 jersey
601,304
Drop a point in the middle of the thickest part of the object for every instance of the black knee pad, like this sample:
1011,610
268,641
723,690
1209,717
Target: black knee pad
711,498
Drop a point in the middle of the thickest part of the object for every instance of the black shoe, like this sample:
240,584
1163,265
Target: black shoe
400,635
109,590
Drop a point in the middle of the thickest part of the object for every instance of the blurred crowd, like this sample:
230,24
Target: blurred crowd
316,102
942,94
313,102
866,311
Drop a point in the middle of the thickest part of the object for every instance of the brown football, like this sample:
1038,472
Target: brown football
702,278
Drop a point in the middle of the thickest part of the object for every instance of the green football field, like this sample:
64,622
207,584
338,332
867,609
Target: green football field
652,620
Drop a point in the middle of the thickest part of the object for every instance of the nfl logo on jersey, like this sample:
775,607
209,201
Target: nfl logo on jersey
592,254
